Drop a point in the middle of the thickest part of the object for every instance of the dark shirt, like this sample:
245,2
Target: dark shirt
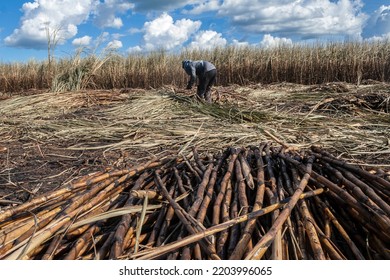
196,68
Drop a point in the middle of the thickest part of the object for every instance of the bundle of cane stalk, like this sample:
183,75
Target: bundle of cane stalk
258,202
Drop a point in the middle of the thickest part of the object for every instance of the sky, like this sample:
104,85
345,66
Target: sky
143,26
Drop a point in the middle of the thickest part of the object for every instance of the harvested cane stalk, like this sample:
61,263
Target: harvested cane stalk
367,190
218,228
210,188
223,186
117,246
221,248
339,227
160,220
349,199
260,190
246,171
180,213
261,247
329,158
204,206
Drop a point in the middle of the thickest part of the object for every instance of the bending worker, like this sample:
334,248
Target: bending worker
205,71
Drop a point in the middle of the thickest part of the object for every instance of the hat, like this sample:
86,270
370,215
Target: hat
185,63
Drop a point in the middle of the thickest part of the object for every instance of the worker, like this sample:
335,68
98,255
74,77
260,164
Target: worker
206,73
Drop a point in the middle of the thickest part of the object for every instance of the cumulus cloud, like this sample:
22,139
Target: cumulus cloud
114,45
378,25
281,18
206,40
82,41
163,32
273,42
204,6
106,13
60,18
239,44
306,18
136,49
384,37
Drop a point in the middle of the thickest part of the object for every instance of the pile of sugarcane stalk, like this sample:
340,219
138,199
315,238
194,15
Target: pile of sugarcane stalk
258,202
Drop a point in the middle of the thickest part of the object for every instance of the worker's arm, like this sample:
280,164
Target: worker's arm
192,73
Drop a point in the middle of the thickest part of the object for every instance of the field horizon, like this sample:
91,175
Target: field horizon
350,62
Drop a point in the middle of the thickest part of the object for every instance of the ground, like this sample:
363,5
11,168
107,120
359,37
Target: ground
48,139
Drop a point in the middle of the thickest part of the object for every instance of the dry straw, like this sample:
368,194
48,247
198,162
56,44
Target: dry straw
353,123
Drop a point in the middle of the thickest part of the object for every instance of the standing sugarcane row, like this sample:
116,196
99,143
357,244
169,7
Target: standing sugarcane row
259,202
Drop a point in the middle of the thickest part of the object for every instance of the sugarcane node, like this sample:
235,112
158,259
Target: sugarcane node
141,194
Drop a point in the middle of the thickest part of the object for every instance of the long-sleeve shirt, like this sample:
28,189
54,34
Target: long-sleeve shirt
196,68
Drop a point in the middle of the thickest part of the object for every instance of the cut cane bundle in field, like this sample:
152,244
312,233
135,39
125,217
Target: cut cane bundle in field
259,202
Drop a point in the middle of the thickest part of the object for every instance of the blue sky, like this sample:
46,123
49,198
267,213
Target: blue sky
146,25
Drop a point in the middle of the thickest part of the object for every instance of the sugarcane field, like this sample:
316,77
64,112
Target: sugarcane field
273,169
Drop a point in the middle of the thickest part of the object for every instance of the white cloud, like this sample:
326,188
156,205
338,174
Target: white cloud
206,40
114,45
383,37
136,49
116,36
163,32
239,44
273,42
28,7
59,17
62,17
204,6
115,23
134,30
82,41
105,13
378,24
281,18
306,18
